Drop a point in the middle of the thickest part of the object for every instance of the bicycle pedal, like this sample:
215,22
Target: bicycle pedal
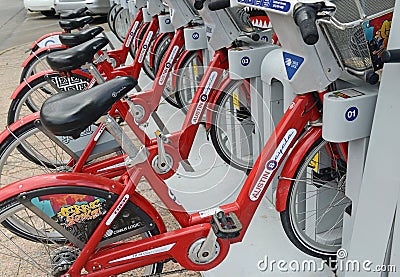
226,226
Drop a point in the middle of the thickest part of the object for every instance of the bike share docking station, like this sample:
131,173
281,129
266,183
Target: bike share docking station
369,224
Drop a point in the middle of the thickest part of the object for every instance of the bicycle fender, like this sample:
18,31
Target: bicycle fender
13,127
178,66
40,74
40,50
154,46
36,42
213,99
79,180
291,164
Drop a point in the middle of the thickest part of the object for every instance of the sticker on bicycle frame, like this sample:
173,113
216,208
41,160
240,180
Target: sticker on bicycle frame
272,164
118,209
314,163
278,5
70,209
351,114
209,212
204,97
132,34
145,46
156,250
69,83
168,65
348,93
292,64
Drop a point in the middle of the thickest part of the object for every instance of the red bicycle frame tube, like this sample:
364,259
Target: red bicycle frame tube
207,87
144,46
121,54
151,99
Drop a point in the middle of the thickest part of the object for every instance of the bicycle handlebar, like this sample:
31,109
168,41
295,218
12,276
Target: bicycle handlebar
198,4
305,17
391,56
219,5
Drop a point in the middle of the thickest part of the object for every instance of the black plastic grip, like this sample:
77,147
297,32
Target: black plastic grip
219,5
199,4
305,17
391,56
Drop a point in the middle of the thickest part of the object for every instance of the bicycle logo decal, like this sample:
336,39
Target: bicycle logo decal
264,38
50,41
167,21
145,45
168,65
351,113
201,104
272,164
245,61
195,35
131,34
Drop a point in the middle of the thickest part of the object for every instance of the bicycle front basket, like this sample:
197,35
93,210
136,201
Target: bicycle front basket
359,32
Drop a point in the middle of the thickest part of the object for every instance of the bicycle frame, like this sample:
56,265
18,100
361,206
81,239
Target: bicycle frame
174,244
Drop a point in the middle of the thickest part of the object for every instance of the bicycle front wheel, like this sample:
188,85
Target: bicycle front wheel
51,212
233,128
313,218
122,22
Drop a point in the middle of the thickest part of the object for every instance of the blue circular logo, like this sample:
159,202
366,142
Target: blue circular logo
195,35
167,21
168,65
245,61
264,38
203,97
351,113
50,41
145,46
271,164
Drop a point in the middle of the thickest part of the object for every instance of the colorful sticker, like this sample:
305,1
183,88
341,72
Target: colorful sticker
350,93
314,163
278,5
70,209
292,64
377,35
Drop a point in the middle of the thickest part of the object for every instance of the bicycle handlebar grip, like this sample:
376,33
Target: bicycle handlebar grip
198,4
219,5
305,17
391,56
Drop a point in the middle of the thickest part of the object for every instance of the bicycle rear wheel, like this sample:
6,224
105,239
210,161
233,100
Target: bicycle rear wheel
313,218
70,215
37,64
188,79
